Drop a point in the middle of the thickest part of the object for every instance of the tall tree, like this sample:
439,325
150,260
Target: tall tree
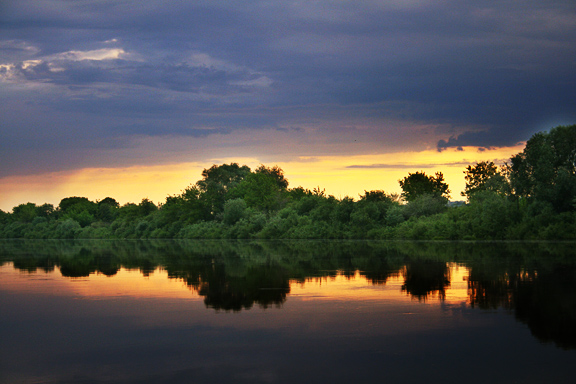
4,216
484,176
25,212
76,203
187,207
276,173
378,196
146,207
418,184
79,209
107,209
217,181
109,201
546,169
262,190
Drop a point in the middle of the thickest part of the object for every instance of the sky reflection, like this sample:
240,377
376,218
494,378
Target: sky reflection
338,326
158,284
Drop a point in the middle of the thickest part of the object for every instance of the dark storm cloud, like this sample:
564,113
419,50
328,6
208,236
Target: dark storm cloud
485,140
179,77
92,72
409,166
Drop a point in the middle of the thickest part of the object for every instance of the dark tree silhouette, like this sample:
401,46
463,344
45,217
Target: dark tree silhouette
418,184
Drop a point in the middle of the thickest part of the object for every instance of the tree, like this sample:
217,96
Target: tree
484,176
379,196
67,229
4,217
45,210
146,207
418,184
186,207
217,181
234,210
425,205
77,204
107,209
546,169
261,191
109,201
298,193
276,173
80,209
24,212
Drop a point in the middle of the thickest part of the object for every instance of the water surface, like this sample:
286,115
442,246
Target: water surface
279,312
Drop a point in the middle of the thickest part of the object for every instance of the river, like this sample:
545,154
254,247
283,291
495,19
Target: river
286,312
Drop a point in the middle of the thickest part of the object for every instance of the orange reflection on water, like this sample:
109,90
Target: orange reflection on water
458,292
124,283
358,287
132,283
317,305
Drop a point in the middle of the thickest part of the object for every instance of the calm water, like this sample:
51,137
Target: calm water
287,312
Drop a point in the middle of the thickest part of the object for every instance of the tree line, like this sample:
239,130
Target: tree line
532,196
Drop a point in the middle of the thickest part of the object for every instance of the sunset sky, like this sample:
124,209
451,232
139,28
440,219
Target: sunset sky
132,99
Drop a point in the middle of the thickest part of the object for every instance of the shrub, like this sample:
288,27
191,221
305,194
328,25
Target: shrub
234,210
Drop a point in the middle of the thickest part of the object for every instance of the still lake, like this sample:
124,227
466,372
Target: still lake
287,312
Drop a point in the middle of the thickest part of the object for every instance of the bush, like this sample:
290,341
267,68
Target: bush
234,210
425,205
394,216
67,229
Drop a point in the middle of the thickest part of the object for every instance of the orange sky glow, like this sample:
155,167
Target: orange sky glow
340,176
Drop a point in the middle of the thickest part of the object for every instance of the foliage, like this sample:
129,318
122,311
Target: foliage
375,196
217,181
107,210
69,203
276,173
110,202
24,212
298,193
546,169
4,217
484,176
425,205
261,191
534,197
418,184
234,210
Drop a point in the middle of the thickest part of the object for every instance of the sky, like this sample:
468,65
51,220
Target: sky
132,99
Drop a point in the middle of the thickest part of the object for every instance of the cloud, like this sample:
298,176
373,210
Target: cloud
200,74
97,54
409,165
485,140
353,77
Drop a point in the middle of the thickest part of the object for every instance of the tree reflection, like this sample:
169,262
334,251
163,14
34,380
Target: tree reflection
543,299
378,270
262,285
86,262
423,278
490,293
535,281
546,304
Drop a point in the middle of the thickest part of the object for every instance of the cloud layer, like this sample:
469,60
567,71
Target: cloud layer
110,83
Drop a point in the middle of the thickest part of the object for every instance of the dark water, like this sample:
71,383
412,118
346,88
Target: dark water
286,312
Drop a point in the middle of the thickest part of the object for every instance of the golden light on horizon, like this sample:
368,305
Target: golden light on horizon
339,175
352,175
